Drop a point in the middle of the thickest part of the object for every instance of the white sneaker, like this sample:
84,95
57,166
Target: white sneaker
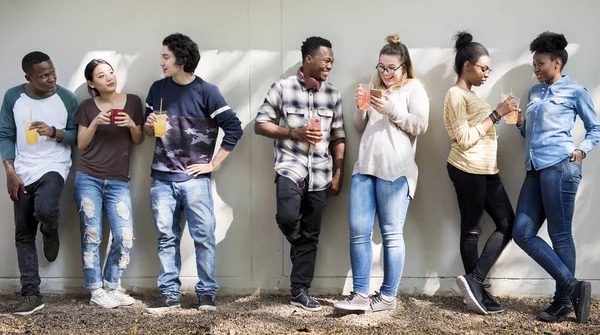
101,298
122,298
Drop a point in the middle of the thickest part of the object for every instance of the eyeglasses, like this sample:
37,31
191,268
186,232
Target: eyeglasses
381,69
484,69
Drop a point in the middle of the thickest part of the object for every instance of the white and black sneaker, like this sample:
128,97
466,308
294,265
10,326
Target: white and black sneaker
305,301
491,305
472,292
207,303
163,304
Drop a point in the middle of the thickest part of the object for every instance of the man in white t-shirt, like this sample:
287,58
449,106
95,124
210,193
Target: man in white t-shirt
37,130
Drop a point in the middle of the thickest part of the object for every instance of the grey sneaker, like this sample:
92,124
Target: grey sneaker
379,303
29,305
354,302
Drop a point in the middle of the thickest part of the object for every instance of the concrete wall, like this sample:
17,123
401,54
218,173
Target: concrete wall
247,45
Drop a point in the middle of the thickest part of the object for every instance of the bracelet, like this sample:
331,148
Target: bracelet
497,115
493,118
53,132
290,134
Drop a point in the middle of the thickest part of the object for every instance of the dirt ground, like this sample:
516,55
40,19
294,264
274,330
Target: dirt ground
256,315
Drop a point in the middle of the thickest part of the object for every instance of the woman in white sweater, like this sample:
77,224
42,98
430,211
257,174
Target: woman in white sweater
385,175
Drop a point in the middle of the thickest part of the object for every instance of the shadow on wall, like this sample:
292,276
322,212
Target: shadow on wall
418,231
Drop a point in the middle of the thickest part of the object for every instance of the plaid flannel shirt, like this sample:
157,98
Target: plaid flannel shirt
288,104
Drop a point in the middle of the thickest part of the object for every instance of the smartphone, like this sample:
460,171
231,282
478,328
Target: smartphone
375,93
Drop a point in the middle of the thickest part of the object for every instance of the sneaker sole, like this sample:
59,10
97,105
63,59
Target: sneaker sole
104,306
583,311
207,308
383,309
161,309
126,303
549,318
468,295
352,307
495,312
297,304
31,311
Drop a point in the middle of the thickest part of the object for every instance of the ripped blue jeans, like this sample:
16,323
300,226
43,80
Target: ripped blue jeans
92,195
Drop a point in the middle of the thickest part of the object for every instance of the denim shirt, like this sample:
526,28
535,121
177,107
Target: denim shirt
549,118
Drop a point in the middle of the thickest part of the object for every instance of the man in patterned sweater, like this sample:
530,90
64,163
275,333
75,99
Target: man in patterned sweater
182,166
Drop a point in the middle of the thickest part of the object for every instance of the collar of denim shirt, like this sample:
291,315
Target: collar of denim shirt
554,88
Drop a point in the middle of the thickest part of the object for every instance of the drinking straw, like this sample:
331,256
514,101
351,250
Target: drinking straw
160,107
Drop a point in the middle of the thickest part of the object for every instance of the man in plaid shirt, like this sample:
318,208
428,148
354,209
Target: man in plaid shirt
303,113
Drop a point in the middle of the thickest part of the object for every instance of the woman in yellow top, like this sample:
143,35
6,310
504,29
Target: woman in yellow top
472,167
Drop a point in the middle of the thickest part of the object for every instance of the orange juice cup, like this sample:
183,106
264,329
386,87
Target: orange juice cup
365,100
512,117
31,135
160,126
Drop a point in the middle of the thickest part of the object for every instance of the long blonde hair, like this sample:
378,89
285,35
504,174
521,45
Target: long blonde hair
394,47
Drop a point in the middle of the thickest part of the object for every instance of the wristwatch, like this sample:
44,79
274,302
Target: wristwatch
53,132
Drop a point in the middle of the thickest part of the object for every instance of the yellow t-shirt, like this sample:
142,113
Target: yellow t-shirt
473,150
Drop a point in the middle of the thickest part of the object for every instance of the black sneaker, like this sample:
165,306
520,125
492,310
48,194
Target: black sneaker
51,245
472,292
305,301
163,304
29,305
555,312
207,303
581,300
490,304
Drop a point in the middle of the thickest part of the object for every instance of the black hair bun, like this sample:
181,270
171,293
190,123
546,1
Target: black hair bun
463,39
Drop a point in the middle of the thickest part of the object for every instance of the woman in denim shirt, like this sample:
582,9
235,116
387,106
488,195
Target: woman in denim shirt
553,165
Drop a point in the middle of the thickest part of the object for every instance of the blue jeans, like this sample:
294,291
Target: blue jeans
550,194
92,195
389,200
194,198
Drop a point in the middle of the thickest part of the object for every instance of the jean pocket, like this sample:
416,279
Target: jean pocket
574,169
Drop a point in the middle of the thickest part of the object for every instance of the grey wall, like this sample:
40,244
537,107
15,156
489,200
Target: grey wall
247,45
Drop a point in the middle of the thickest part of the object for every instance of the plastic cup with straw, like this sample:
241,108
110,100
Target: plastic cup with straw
365,100
31,135
160,126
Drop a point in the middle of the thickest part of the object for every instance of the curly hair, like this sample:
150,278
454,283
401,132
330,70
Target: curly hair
467,51
553,44
185,50
313,44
